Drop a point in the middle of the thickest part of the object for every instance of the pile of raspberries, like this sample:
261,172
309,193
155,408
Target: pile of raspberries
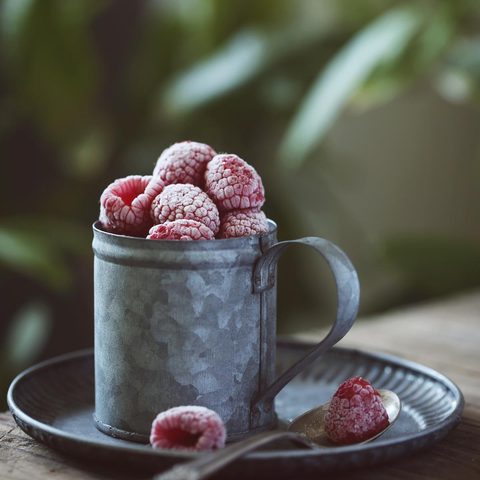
193,194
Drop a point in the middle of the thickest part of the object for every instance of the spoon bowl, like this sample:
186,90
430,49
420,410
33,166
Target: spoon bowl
312,423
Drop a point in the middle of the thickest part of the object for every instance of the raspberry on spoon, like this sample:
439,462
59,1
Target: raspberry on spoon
356,412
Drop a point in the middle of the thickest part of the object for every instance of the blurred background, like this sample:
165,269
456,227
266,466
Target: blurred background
361,116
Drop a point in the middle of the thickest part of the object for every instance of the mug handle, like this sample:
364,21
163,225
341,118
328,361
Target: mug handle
348,297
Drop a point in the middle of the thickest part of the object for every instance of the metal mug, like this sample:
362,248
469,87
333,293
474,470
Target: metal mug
194,323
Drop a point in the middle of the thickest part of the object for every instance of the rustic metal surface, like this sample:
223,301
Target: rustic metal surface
53,402
177,323
180,323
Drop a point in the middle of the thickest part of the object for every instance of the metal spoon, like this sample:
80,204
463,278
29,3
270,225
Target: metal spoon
307,429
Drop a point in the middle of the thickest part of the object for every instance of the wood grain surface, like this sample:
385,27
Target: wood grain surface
444,335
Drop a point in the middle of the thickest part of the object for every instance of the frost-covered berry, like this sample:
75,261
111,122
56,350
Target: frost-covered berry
232,183
356,412
125,205
185,201
181,230
242,223
184,162
191,428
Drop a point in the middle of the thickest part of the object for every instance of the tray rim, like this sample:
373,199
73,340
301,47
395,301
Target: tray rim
140,449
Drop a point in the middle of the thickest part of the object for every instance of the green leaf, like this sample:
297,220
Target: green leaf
245,56
27,336
51,62
395,76
238,61
435,38
380,41
70,237
31,254
13,13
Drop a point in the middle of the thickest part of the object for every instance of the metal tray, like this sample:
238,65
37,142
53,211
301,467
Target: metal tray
53,402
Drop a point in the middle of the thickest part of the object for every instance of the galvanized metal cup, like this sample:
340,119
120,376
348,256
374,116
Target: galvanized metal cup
194,323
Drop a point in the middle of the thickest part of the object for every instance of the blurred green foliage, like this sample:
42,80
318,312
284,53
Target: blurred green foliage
94,90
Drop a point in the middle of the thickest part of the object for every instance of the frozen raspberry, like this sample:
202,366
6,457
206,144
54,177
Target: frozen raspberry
125,205
185,201
242,223
232,183
181,230
356,412
154,187
188,428
184,162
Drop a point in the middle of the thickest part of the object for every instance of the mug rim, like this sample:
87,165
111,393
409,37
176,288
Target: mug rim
226,242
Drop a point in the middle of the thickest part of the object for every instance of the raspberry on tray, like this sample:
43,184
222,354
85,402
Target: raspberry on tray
191,428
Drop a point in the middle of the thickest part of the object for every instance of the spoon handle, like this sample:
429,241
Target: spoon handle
206,465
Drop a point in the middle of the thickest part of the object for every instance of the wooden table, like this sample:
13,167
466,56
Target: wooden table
444,335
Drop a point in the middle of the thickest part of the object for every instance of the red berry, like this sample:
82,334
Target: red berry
185,201
232,183
184,162
181,230
125,205
154,187
356,412
242,223
188,428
